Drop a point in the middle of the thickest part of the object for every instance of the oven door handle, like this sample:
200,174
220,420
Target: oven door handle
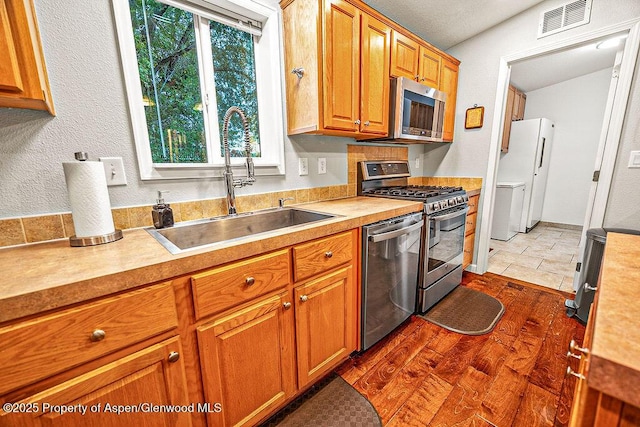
451,215
391,234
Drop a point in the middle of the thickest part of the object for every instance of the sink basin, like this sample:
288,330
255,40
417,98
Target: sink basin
199,233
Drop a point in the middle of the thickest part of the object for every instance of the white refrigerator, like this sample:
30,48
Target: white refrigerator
528,160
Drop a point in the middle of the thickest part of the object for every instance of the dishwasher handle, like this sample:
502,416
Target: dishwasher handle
391,234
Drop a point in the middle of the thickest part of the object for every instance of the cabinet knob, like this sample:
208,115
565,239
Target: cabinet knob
98,335
287,305
423,79
328,254
417,77
173,357
298,71
575,374
357,122
250,281
573,347
304,298
367,123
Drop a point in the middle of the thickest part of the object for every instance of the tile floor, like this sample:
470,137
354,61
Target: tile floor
546,256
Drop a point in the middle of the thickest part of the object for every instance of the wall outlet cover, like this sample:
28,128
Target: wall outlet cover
322,165
634,159
114,170
303,166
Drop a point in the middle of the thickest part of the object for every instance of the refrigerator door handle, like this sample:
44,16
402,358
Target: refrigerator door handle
542,152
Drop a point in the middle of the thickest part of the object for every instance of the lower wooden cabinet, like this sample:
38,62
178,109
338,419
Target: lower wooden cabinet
127,392
325,322
470,231
247,361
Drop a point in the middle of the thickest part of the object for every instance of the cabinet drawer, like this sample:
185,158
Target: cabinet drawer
224,287
470,224
473,204
44,346
321,255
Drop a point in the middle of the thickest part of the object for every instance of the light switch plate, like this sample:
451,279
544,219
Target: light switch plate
114,170
322,165
303,166
634,159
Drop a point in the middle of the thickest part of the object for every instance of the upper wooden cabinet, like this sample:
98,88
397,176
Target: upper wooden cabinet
339,56
23,74
514,110
337,69
414,61
449,85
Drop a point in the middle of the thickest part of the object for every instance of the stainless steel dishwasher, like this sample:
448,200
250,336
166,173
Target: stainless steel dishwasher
390,263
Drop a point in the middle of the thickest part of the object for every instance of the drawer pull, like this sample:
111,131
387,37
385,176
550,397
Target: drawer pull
573,346
173,357
98,335
588,287
575,374
575,356
328,254
287,305
304,298
250,281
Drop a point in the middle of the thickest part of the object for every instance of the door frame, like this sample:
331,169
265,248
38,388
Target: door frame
596,209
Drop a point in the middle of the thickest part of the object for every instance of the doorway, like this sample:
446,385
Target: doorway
609,140
566,95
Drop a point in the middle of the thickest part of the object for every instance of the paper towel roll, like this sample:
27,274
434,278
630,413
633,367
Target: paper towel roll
90,205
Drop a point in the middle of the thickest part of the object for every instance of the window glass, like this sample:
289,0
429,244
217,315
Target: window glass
235,80
168,64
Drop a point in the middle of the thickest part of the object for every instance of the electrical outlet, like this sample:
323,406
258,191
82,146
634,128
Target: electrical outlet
114,170
322,165
417,162
303,166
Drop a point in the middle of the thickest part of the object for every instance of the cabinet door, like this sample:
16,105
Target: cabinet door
341,76
429,70
23,74
404,56
247,361
508,112
10,79
375,51
140,381
522,101
325,323
449,85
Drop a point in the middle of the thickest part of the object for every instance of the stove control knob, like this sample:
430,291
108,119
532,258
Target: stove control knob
460,199
434,206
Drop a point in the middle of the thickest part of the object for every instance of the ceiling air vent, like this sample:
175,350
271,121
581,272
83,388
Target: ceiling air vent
564,17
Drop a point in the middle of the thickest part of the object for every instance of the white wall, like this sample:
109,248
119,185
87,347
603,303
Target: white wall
576,107
84,67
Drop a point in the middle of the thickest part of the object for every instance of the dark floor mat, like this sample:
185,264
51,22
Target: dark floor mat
330,403
466,311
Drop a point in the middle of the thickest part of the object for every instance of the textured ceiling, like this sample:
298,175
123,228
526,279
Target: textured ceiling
445,23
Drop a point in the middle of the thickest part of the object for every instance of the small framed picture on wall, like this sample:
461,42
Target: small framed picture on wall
474,117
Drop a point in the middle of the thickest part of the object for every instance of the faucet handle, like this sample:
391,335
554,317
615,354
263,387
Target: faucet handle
282,200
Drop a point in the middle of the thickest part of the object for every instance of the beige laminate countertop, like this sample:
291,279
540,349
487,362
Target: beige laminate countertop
49,275
615,349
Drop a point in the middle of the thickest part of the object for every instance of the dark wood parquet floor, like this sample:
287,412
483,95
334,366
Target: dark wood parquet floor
424,375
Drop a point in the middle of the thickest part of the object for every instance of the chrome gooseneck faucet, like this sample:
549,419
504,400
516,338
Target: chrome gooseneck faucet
230,182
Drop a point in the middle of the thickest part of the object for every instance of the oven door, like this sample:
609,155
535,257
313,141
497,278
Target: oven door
444,244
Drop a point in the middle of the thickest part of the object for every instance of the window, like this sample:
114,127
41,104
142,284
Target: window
185,64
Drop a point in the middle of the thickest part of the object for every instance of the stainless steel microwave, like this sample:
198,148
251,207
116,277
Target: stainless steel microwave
416,112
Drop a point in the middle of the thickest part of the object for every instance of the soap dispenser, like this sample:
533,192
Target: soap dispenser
162,213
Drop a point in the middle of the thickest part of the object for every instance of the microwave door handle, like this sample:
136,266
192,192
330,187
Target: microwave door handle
391,234
451,215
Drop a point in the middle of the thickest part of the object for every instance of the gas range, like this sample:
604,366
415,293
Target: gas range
390,179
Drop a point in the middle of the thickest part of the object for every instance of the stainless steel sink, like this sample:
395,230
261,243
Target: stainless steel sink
199,233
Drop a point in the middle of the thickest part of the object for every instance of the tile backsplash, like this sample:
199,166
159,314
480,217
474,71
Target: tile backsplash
31,229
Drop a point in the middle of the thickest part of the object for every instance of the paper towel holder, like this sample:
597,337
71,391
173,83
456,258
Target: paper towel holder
75,241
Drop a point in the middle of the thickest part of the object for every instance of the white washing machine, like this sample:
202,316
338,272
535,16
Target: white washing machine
507,210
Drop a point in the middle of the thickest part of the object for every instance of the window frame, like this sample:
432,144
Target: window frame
268,63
